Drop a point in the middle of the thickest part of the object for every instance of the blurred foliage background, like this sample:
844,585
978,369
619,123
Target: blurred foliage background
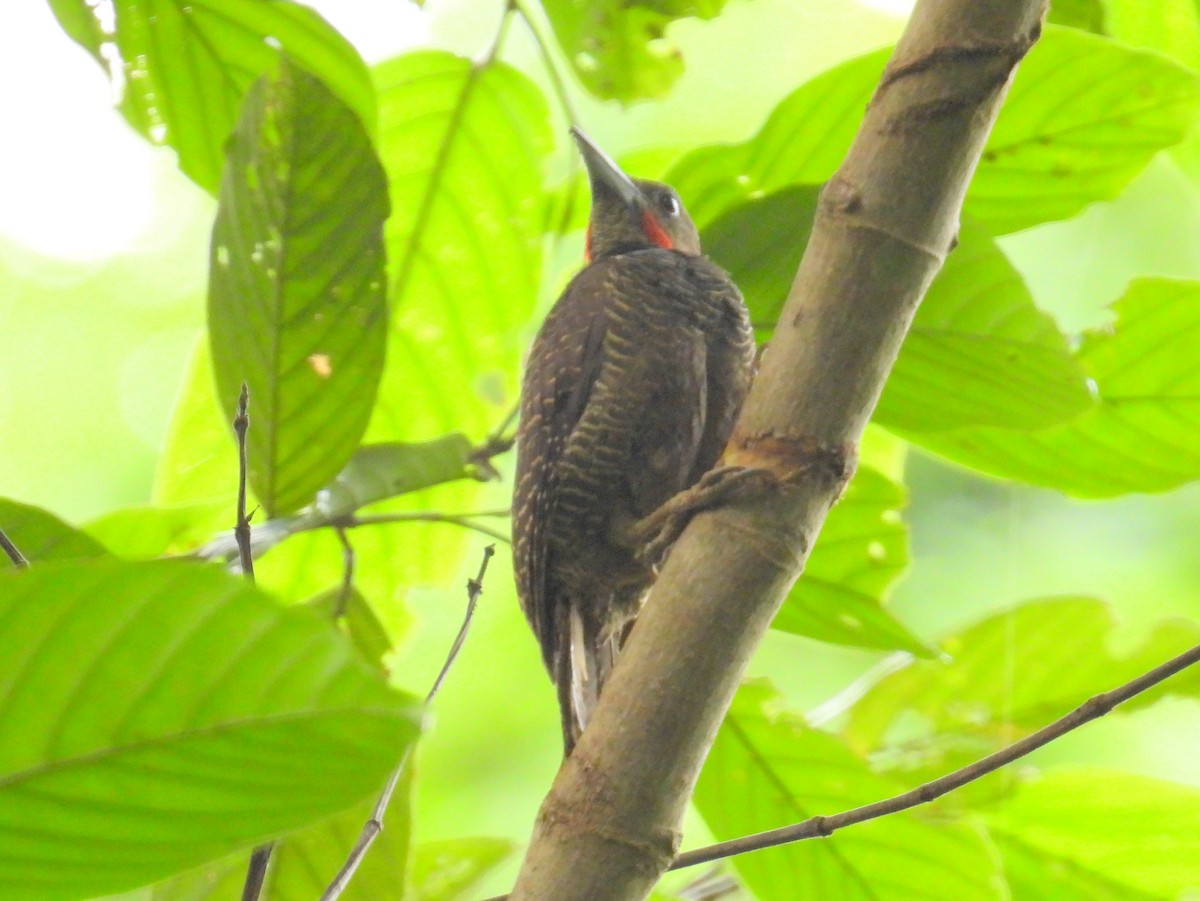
104,248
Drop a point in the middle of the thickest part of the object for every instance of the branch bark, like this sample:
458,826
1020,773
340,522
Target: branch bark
608,829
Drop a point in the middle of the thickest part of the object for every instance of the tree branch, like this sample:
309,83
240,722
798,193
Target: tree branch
609,827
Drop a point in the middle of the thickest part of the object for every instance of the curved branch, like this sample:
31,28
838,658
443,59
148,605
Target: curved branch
609,827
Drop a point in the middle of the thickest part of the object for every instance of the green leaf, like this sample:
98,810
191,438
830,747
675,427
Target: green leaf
861,552
618,48
361,624
1005,677
180,68
463,145
171,714
979,352
296,307
1087,15
1141,834
802,143
304,862
450,870
1083,117
1035,876
40,535
198,464
143,533
1141,432
377,472
768,769
1171,27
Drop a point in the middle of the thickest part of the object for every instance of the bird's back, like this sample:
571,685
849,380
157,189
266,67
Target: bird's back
630,392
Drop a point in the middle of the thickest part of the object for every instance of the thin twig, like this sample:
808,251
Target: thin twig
14,554
824,826
256,871
464,521
374,825
241,531
343,598
819,827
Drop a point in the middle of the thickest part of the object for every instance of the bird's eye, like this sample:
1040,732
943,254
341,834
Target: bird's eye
668,203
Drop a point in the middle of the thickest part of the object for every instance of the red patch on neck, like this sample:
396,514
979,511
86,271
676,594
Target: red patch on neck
587,245
654,232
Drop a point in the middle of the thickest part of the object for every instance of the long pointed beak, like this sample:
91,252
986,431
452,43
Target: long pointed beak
602,169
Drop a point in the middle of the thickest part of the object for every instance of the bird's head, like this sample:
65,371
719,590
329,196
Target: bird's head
631,213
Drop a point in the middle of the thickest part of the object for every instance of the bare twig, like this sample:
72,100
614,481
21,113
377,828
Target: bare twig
343,598
374,825
260,858
500,441
14,554
241,531
820,827
462,520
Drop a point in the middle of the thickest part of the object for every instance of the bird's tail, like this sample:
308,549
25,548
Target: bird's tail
586,654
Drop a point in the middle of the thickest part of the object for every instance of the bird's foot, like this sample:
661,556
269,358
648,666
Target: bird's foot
653,534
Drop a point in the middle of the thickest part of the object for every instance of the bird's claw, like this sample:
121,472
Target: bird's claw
653,535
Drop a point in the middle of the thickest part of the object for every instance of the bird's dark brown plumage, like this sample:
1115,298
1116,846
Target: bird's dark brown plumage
630,392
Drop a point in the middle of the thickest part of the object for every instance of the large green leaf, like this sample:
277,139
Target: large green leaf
198,464
1083,117
463,144
40,535
619,48
1035,876
1138,835
768,769
1005,677
1171,27
979,352
862,550
146,532
447,870
181,67
1085,14
1142,430
297,306
304,862
170,714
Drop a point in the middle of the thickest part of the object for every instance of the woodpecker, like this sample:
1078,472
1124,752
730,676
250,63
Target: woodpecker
630,392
